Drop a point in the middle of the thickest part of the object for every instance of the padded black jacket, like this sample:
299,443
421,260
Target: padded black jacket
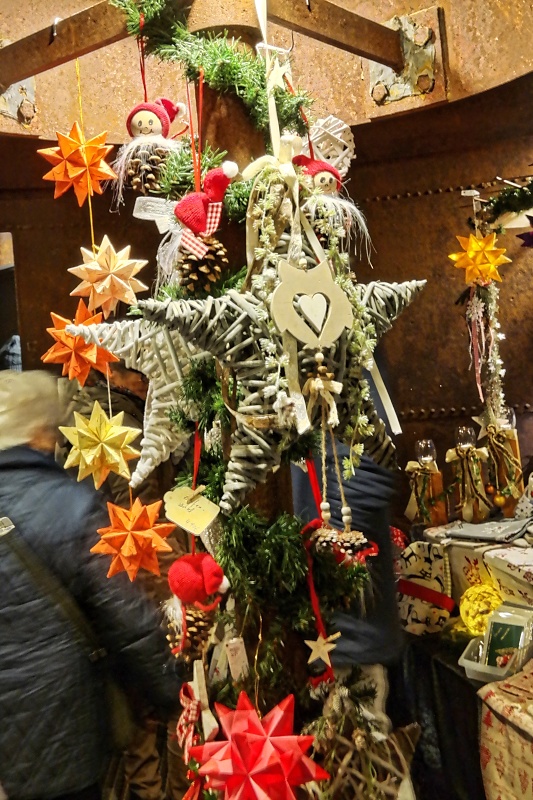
53,732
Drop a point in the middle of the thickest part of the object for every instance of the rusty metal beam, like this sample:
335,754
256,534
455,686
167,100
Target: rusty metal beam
341,28
95,27
103,24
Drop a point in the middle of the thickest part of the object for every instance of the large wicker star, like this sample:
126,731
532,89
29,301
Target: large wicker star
78,163
261,758
100,445
73,352
107,277
480,258
134,538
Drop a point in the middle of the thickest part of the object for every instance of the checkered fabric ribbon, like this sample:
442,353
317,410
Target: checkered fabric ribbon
189,717
194,244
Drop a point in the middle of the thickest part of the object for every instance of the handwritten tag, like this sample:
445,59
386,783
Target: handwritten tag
237,658
191,511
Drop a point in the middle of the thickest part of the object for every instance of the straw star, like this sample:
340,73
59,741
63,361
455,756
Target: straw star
321,648
78,163
100,445
76,355
108,277
480,258
134,538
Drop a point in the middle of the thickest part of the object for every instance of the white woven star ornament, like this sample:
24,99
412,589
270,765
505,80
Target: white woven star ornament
107,277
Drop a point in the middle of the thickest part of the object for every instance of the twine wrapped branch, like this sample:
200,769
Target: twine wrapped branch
505,461
421,487
467,464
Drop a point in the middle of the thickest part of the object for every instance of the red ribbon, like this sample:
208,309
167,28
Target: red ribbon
303,116
328,674
190,715
140,45
315,486
195,789
424,593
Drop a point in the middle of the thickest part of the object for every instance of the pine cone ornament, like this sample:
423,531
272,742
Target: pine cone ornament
143,170
199,273
199,626
340,542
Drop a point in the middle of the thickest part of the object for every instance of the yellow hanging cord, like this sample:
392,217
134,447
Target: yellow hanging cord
91,220
256,658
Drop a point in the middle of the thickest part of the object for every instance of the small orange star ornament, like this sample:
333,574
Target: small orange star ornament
134,538
480,258
107,277
78,163
73,352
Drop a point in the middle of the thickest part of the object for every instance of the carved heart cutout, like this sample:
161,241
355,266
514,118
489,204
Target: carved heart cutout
314,309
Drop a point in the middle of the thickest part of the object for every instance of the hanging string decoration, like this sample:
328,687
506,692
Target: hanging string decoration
134,538
76,355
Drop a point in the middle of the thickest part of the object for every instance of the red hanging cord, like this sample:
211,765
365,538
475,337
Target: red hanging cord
315,486
200,116
140,45
195,162
303,116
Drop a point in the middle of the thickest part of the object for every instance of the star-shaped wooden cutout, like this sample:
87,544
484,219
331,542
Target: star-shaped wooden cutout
76,355
79,163
108,277
231,328
100,445
321,648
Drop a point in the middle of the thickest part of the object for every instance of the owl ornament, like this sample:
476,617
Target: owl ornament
139,161
323,182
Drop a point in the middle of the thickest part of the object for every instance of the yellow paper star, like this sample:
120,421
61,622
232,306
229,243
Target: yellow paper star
321,648
134,538
107,277
480,258
78,163
100,445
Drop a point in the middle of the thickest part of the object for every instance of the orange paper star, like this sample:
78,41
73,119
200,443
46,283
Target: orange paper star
108,277
73,352
78,163
134,538
480,258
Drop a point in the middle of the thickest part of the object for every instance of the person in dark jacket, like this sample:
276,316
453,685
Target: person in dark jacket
53,732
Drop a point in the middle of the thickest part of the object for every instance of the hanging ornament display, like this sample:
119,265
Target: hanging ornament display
100,445
480,258
134,538
76,355
78,163
260,757
203,258
331,140
108,277
140,161
194,580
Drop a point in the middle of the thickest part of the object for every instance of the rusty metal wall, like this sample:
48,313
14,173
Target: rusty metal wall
487,43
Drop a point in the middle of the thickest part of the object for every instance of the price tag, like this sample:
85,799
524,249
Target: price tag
237,658
190,510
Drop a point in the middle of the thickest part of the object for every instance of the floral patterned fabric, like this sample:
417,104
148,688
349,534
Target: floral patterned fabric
506,743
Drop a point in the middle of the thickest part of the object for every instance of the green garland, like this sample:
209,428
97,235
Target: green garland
228,67
512,199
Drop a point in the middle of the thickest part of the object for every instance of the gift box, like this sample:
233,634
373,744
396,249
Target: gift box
506,750
511,570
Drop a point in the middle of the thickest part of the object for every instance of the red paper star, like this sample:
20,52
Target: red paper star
73,352
134,538
78,163
261,759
